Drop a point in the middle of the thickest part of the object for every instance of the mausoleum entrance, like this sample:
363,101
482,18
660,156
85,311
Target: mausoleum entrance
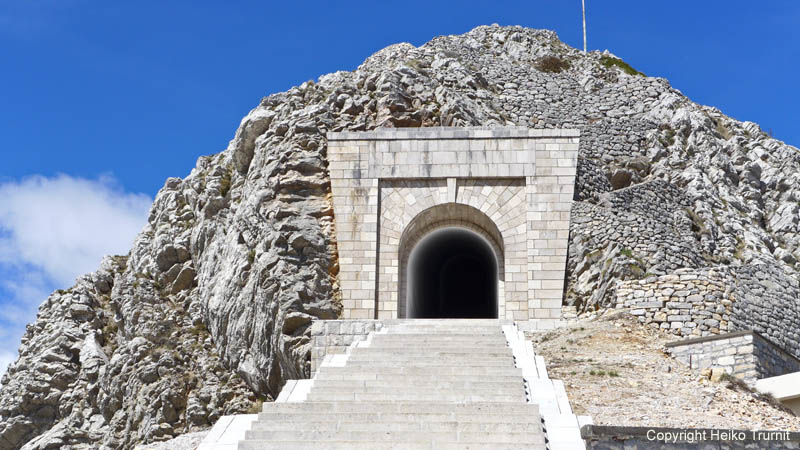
453,222
452,273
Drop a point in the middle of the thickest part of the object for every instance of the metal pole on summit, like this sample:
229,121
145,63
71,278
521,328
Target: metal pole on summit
583,3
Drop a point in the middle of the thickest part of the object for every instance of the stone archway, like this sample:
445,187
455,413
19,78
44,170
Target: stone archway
450,234
451,274
520,180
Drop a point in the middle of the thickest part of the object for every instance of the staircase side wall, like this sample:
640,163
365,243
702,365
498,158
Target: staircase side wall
330,337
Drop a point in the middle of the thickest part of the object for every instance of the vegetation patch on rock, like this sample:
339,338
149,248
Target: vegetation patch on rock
552,64
609,62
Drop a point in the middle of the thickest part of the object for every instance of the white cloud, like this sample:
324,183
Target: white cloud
51,231
64,225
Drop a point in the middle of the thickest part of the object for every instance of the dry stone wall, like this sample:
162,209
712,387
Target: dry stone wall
688,302
649,219
772,360
590,181
768,301
630,233
710,301
744,354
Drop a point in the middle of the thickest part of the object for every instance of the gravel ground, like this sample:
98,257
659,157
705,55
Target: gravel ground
615,370
188,441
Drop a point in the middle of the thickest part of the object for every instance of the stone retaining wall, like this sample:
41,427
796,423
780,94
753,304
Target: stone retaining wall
717,300
688,302
773,360
768,301
713,300
650,219
744,354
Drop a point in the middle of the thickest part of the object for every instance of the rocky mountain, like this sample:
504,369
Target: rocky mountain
210,311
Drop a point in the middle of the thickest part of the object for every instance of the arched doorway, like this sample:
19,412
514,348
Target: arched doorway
452,273
451,265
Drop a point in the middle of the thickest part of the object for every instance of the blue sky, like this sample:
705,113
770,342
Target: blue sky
101,101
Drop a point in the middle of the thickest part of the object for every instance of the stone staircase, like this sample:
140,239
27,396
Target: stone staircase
424,384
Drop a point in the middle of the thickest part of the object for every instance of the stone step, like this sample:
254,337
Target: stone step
466,333
427,370
423,389
295,418
431,350
419,342
415,384
495,336
422,343
443,332
412,322
444,325
413,396
383,445
448,346
456,352
358,362
414,425
394,407
382,355
402,382
407,436
455,357
327,373
406,349
410,368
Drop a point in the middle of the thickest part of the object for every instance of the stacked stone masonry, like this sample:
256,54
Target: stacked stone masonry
688,302
768,302
591,180
745,355
759,302
513,186
650,219
714,300
772,360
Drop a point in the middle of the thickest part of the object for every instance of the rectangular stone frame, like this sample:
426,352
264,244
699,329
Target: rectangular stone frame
360,163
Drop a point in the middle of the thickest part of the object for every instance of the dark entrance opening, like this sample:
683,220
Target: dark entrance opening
452,273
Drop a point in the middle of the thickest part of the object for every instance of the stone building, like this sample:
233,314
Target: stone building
453,222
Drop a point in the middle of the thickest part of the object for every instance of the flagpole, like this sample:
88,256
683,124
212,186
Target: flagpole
583,3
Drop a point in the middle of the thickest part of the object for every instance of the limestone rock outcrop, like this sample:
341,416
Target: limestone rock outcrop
210,311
